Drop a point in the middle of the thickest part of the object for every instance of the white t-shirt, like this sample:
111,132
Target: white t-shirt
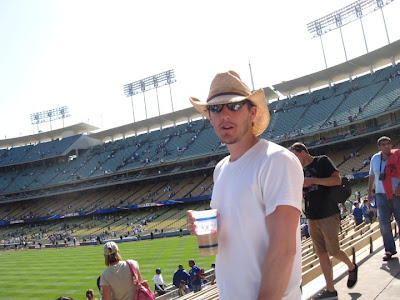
158,280
245,192
377,168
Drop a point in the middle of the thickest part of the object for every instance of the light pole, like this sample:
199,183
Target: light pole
49,115
344,16
149,83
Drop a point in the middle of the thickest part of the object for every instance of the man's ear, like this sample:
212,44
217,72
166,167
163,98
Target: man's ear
253,111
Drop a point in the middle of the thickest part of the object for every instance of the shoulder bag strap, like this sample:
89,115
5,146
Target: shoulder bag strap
132,272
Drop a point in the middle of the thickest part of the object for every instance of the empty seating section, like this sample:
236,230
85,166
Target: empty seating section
321,94
206,142
384,99
303,99
318,113
282,122
385,73
13,156
354,103
29,153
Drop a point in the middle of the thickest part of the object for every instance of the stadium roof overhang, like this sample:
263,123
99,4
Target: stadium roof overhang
48,135
362,64
155,123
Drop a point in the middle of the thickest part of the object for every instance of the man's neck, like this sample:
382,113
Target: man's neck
238,149
308,160
385,156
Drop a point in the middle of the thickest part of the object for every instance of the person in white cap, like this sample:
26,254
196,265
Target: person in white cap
258,194
116,280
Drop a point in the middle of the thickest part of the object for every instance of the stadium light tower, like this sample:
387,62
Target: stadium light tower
129,92
50,115
344,16
149,83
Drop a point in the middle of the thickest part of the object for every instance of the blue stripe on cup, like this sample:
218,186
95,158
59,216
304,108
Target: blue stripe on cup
208,246
205,219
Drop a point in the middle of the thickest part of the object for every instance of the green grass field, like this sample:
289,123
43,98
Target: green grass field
51,273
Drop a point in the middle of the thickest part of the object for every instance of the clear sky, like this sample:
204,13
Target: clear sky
80,53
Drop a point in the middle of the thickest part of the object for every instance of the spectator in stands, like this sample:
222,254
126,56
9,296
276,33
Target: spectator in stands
323,215
159,285
358,196
384,173
90,295
194,279
179,275
367,212
306,230
357,213
348,206
116,280
183,288
259,183
213,278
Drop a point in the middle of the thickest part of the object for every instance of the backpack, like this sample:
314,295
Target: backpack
143,292
201,273
340,193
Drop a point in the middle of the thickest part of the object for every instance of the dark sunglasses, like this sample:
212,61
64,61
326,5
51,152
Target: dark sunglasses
297,148
217,108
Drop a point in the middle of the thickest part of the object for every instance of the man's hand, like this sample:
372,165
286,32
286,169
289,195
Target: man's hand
332,180
397,191
308,181
190,222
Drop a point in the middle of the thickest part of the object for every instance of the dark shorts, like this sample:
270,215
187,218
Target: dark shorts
325,234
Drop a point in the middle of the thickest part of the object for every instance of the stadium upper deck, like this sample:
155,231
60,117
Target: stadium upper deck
355,106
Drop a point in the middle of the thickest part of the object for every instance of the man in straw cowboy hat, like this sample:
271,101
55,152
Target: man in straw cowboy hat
258,193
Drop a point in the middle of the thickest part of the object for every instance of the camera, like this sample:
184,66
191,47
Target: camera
382,176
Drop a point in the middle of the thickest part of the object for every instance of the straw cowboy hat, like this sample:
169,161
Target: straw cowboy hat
229,88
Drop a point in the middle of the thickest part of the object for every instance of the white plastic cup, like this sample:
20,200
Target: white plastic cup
206,231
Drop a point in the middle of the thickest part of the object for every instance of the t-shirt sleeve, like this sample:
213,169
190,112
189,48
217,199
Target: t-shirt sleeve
328,166
282,182
103,280
371,165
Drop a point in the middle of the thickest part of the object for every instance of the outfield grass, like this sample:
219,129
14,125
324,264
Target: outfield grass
51,273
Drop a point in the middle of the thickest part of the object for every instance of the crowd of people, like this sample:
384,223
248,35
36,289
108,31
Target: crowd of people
121,281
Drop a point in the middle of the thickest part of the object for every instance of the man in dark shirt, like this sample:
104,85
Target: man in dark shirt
179,275
323,215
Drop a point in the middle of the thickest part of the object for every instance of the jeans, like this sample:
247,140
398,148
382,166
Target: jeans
196,288
385,210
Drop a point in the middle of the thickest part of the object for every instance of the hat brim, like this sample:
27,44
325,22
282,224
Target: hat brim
262,118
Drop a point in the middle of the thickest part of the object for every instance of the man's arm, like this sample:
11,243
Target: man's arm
332,180
371,181
194,277
282,227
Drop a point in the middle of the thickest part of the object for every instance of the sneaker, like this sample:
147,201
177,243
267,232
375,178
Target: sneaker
388,255
352,280
325,294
